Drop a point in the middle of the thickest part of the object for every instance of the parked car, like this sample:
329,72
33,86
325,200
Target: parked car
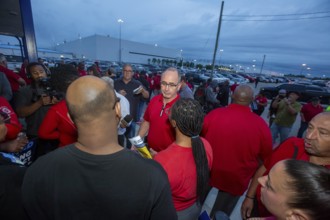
321,83
307,92
217,77
247,76
234,78
197,78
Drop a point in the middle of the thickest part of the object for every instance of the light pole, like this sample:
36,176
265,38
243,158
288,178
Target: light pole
120,21
302,67
181,58
308,70
220,53
254,65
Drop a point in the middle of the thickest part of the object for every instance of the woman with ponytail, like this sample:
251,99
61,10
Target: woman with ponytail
188,160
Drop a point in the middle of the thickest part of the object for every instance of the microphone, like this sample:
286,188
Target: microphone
140,146
126,121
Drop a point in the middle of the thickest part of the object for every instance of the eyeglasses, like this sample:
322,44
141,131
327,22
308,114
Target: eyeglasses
170,85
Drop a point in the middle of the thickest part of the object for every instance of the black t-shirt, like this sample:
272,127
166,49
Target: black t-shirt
132,98
71,184
27,96
11,178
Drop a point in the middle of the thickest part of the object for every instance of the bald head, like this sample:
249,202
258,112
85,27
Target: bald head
323,117
89,98
243,95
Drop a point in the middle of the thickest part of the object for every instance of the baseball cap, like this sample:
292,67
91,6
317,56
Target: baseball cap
282,91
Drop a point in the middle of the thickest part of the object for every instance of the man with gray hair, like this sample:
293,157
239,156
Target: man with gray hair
14,79
5,89
133,90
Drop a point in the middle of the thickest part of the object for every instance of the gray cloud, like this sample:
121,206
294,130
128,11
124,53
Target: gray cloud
191,25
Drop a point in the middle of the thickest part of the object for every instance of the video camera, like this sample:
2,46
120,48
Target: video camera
46,89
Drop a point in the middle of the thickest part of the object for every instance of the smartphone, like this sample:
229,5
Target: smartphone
137,90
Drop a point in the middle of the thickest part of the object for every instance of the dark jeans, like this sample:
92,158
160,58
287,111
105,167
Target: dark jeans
130,132
302,129
224,202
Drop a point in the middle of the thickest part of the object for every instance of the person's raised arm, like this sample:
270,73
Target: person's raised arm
145,93
276,102
247,204
27,110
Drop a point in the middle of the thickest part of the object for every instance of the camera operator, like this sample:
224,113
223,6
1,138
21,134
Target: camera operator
287,111
272,111
32,103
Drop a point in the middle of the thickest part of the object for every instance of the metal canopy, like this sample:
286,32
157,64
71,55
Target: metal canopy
10,18
16,20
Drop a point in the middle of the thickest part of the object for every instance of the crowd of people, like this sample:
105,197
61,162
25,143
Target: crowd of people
67,149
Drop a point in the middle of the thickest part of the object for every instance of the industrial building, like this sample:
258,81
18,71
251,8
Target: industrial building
106,48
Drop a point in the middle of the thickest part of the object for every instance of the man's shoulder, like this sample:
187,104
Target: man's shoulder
135,82
156,99
51,159
147,164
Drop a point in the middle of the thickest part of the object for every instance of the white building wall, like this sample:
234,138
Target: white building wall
106,48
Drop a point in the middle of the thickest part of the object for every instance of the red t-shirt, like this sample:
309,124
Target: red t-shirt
233,87
261,100
239,139
22,73
82,72
10,119
161,134
309,111
180,167
57,125
12,78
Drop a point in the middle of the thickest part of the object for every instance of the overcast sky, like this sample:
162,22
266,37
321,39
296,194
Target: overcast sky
191,25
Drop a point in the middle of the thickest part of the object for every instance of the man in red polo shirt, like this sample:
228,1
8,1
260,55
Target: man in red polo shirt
156,124
14,79
240,140
308,111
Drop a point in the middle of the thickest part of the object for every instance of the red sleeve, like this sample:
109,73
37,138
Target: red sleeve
263,100
12,124
48,127
303,109
282,152
10,74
